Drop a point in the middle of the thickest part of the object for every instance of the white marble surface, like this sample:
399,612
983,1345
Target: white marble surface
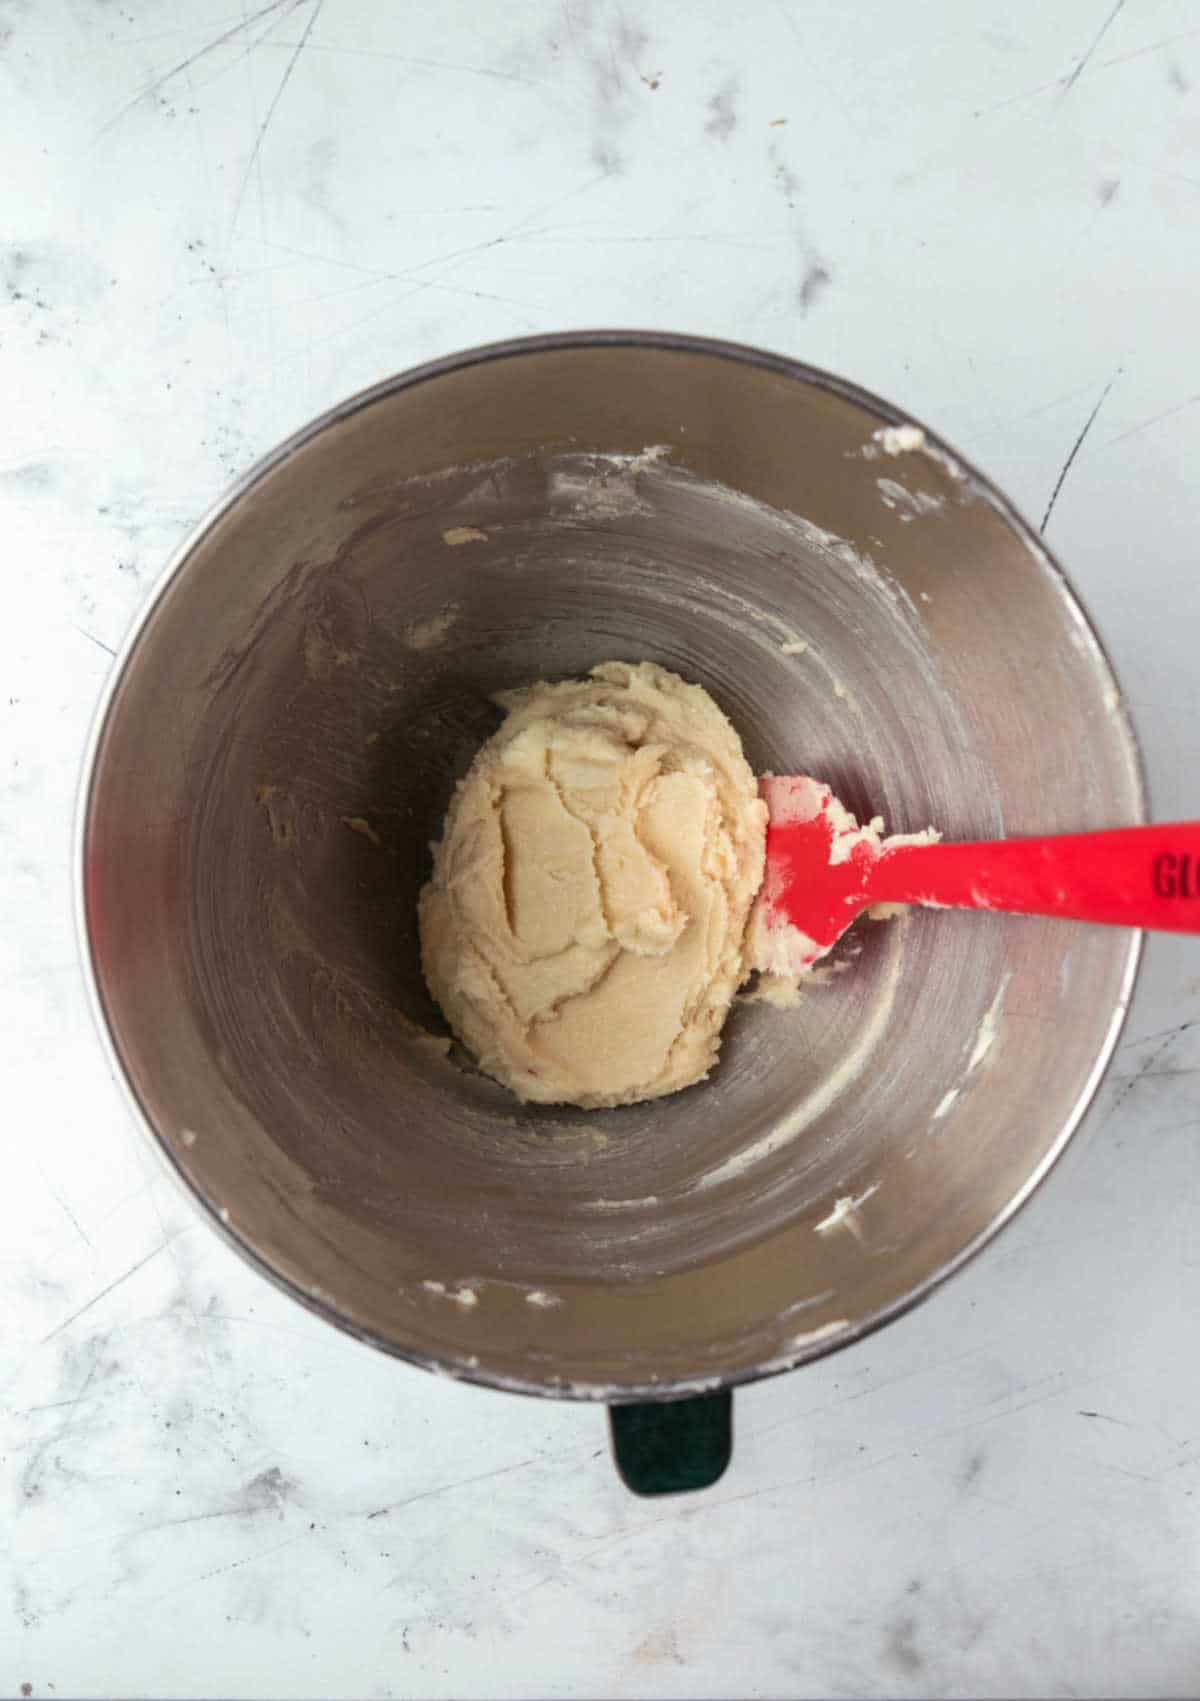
218,218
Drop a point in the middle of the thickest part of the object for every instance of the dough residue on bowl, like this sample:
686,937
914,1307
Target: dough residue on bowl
585,927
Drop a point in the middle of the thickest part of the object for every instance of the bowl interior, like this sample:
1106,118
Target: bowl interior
281,748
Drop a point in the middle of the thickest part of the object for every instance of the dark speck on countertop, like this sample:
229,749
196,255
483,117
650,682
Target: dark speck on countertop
816,278
270,1491
900,1647
722,117
972,1469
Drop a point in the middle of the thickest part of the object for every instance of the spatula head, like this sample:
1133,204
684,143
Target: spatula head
819,863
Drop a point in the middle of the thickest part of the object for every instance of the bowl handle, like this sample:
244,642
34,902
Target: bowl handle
669,1446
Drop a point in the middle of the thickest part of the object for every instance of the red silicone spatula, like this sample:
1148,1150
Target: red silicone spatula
823,870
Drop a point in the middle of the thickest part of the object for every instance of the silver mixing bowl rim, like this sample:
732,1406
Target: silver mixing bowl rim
319,1302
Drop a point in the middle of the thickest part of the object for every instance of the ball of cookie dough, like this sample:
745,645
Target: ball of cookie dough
584,930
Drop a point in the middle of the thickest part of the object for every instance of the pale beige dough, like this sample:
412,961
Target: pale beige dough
584,929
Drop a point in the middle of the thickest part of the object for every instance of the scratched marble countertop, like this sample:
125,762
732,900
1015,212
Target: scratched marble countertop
220,218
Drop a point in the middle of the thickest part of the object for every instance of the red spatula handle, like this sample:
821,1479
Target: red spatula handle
1130,876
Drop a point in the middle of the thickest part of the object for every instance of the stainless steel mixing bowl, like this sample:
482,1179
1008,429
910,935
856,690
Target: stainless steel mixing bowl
278,748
